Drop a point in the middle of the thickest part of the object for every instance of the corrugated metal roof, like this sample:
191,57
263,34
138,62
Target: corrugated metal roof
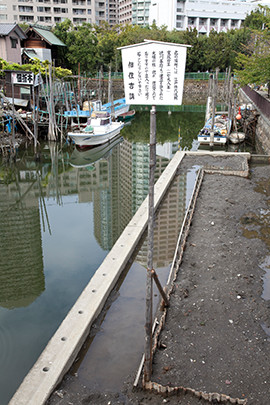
31,53
6,28
47,35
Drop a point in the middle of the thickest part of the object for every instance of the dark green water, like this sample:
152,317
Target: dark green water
59,218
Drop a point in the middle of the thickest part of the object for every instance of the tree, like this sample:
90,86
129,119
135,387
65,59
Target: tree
254,65
81,42
258,18
253,62
107,44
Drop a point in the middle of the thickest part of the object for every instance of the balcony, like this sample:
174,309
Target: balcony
78,2
78,11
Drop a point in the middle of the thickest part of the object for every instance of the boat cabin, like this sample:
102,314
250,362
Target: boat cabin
100,118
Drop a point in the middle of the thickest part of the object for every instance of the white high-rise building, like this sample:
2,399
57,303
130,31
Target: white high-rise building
204,15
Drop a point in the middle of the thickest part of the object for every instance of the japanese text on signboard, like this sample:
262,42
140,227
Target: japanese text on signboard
26,78
154,74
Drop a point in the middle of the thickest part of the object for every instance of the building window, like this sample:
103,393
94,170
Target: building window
26,18
26,9
224,23
14,42
191,20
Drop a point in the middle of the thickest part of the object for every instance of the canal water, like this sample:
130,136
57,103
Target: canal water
60,216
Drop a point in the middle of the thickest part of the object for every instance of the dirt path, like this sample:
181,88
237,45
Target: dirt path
215,337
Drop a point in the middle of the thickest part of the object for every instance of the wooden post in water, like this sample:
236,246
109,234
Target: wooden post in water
212,113
230,98
35,118
13,116
149,281
100,79
79,83
214,98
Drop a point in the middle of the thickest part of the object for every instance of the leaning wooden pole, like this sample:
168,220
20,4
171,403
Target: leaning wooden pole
149,281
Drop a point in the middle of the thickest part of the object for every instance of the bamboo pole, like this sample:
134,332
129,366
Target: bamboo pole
17,115
99,84
34,117
149,280
13,116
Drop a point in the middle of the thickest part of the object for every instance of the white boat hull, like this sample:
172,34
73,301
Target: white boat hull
84,139
218,140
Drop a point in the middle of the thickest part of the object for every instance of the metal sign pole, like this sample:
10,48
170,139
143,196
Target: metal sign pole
149,281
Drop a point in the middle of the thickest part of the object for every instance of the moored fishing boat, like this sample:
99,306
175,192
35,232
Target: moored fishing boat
116,108
221,129
127,116
99,130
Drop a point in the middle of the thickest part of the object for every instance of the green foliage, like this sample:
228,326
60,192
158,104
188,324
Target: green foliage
81,46
254,64
24,26
36,66
258,18
253,60
94,46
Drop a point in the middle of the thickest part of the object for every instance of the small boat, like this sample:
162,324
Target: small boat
99,130
116,108
236,137
127,116
222,125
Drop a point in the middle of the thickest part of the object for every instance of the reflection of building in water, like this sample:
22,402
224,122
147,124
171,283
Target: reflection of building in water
117,184
127,169
21,263
168,222
140,173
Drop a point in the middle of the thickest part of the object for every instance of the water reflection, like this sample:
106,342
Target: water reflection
102,364
57,224
21,263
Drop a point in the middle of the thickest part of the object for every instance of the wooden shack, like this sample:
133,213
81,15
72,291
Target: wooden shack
40,43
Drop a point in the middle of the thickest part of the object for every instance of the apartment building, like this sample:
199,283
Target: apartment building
125,11
51,12
140,12
204,15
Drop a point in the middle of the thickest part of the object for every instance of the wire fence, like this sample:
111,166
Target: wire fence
188,75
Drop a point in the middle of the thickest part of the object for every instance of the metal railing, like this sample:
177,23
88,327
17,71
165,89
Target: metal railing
261,102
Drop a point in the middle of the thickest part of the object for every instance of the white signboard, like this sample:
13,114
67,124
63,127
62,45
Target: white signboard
154,73
26,78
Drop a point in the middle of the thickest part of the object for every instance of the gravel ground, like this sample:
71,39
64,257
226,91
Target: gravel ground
216,336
